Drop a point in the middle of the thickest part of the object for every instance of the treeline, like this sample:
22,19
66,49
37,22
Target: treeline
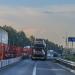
52,46
16,38
20,39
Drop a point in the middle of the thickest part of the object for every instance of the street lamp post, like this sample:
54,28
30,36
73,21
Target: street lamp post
1,50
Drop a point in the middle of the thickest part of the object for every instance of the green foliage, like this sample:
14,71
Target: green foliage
71,58
16,38
20,39
32,38
53,46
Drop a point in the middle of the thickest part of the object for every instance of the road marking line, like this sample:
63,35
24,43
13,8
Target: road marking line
50,69
66,68
34,70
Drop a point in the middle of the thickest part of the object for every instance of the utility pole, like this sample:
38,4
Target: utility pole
72,44
1,50
66,41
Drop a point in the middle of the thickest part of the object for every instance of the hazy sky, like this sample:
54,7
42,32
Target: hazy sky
50,19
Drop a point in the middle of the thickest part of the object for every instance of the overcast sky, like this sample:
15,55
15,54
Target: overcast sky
50,19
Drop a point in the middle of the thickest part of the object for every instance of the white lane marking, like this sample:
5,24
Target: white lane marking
66,68
34,70
50,69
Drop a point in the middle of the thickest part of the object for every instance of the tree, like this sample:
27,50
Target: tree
12,35
52,46
22,39
16,38
32,38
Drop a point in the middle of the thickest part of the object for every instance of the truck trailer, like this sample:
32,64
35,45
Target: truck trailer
39,49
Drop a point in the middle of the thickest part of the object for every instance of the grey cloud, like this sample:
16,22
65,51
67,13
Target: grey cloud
60,9
63,12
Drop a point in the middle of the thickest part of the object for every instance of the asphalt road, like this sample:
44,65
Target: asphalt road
29,67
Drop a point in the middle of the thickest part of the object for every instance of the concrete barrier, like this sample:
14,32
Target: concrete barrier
9,61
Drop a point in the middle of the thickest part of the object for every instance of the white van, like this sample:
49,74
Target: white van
50,54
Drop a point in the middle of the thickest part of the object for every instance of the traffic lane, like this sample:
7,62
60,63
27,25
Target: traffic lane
50,68
25,67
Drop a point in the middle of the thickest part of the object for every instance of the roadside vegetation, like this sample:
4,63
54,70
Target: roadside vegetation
16,38
20,39
70,57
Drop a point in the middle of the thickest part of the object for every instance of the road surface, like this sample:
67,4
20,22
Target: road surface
29,67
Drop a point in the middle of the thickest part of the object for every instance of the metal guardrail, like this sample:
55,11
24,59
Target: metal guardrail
67,63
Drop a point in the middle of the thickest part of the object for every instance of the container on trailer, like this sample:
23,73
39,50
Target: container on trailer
3,43
3,36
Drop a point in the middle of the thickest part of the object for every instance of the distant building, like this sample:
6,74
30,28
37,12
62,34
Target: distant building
3,36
